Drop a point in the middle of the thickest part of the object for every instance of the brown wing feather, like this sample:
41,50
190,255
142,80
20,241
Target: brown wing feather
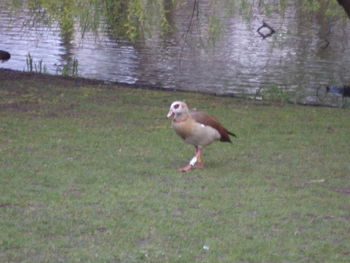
208,120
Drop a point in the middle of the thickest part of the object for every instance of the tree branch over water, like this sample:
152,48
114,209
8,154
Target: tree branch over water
195,7
268,34
346,5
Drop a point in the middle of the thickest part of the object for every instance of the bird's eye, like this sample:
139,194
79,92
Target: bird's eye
176,106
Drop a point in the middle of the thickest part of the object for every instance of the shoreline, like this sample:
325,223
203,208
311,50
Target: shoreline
10,74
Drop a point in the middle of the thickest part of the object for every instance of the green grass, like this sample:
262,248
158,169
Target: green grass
89,174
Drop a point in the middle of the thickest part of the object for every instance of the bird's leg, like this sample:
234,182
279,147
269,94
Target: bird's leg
196,161
198,155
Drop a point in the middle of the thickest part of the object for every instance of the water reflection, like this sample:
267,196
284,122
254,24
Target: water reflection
302,56
105,58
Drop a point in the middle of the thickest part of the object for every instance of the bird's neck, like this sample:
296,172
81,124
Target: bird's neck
181,117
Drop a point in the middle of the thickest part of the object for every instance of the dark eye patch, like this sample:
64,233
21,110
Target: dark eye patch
176,106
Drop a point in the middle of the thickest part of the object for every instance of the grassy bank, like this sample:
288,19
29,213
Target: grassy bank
88,173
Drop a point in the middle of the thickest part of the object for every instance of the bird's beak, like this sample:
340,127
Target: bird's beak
170,113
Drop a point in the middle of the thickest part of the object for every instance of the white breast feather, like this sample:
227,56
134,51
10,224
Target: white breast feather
203,135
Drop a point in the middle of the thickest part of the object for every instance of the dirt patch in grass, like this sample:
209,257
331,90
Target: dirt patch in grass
345,191
8,75
41,94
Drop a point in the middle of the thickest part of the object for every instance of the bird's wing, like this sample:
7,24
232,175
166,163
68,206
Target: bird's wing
208,120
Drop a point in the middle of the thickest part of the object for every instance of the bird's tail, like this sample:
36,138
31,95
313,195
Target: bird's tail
231,133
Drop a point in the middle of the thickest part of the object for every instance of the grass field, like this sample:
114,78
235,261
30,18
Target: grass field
88,173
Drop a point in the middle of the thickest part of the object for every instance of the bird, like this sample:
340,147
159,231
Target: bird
196,128
4,55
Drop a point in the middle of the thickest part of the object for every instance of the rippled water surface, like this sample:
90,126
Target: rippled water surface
297,63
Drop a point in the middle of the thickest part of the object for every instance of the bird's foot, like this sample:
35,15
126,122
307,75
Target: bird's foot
199,165
186,168
189,166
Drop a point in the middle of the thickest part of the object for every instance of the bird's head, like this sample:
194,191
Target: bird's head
177,108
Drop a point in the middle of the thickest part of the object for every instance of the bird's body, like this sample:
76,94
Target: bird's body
4,55
196,128
194,132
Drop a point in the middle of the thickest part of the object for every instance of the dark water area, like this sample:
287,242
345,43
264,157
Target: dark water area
297,63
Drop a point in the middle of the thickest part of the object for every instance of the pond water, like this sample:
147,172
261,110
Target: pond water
296,63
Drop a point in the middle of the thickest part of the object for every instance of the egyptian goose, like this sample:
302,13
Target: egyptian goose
197,128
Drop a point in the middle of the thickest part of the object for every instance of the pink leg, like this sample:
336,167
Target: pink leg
186,168
197,164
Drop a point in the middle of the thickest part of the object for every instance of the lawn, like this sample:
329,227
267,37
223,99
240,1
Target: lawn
88,173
